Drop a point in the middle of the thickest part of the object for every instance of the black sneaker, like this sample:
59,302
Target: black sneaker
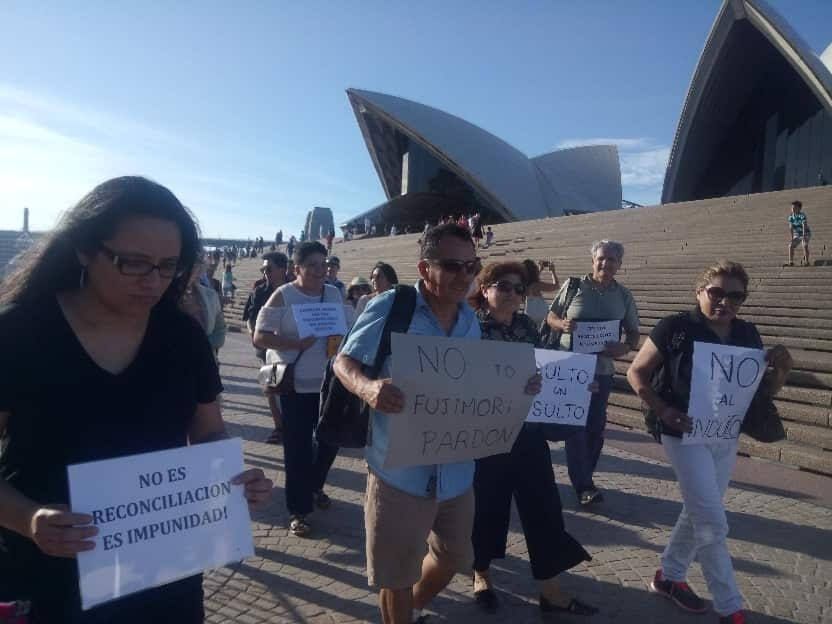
678,592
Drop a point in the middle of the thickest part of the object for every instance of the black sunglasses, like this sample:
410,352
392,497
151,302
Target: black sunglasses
472,267
716,294
139,268
507,288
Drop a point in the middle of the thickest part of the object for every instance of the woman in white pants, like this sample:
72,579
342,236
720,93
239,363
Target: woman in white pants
703,470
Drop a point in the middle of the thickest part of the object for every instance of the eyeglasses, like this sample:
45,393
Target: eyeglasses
168,269
508,287
471,267
716,294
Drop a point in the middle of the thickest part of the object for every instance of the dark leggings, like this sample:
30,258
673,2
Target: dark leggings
306,462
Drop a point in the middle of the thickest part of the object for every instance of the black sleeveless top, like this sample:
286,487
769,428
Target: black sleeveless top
674,337
64,409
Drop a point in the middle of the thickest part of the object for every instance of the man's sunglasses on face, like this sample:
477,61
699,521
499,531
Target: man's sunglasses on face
471,267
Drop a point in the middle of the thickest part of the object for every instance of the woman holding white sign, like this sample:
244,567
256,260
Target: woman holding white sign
307,462
596,297
703,470
525,473
99,362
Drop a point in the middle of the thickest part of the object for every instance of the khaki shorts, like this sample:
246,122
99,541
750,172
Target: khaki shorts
402,527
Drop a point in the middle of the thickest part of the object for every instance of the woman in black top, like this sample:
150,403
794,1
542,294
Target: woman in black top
98,362
703,470
525,472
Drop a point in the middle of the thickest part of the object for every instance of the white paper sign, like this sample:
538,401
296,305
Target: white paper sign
320,319
464,399
161,517
564,397
723,383
593,336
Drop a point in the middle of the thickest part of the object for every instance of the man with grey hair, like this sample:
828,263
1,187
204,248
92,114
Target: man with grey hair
595,297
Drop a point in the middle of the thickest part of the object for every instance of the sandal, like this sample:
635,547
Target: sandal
575,607
299,526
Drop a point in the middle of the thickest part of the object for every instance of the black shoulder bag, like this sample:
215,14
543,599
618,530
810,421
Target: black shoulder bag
549,338
344,417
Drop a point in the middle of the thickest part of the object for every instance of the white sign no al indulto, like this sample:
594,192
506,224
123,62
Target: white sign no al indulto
723,383
564,395
320,319
161,517
593,336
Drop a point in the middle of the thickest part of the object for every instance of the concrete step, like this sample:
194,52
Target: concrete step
766,329
788,452
795,395
815,417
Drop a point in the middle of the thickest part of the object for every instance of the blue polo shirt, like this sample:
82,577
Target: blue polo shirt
445,481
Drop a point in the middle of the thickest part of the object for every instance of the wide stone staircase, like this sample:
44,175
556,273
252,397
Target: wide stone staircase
667,247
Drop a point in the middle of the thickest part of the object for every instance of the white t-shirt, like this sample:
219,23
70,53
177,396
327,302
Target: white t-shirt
536,308
309,371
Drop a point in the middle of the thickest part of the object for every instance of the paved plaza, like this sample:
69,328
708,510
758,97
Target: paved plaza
781,541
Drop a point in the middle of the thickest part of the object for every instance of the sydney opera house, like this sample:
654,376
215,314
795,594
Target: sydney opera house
757,117
419,149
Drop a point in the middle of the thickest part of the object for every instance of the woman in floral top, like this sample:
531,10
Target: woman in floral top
525,473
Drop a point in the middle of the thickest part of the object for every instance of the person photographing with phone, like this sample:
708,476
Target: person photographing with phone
536,305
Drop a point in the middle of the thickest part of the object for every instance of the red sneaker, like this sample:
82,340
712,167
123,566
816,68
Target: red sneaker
680,593
738,617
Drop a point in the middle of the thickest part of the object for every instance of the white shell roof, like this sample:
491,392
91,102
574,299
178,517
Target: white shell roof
501,173
814,70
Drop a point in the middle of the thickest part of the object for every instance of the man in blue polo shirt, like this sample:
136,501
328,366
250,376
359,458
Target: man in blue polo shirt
418,519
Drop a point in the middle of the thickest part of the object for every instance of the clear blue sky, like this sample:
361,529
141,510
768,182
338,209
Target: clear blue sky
240,107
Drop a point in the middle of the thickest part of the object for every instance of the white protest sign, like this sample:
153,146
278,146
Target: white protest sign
161,517
464,399
564,397
723,383
320,319
593,336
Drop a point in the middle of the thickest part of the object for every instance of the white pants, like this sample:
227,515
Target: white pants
703,472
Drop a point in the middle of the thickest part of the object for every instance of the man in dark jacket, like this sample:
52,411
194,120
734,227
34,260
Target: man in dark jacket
274,268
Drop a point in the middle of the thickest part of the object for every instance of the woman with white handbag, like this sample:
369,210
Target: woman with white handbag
295,370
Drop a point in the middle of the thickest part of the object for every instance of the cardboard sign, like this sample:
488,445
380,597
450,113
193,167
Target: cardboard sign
564,397
161,517
320,319
593,336
464,399
723,383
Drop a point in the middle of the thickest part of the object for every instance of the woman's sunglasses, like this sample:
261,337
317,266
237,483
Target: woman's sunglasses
507,288
717,294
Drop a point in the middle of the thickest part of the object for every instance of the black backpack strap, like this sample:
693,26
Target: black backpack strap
404,303
571,290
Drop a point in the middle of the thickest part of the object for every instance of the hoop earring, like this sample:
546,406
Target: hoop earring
83,277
